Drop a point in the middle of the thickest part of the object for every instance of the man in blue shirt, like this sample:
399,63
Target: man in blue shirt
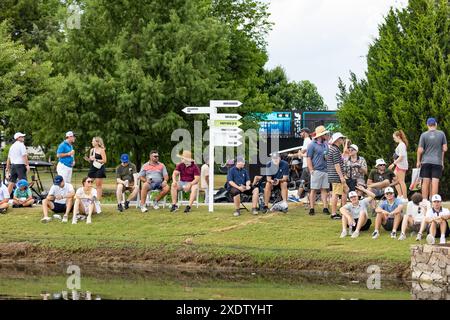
65,154
239,183
277,172
389,214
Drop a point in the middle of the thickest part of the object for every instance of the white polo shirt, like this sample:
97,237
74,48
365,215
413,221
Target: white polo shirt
16,153
418,212
58,191
433,214
4,194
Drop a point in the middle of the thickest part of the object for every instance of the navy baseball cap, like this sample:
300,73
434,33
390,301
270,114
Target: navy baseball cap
431,122
57,181
125,158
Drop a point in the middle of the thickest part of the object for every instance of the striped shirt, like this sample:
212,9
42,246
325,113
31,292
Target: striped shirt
334,157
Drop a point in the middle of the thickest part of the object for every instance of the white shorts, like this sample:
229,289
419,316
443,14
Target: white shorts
65,172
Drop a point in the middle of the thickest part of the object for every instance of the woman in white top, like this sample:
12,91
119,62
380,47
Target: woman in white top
400,163
84,200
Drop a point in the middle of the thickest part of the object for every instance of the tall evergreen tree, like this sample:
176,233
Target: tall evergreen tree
408,80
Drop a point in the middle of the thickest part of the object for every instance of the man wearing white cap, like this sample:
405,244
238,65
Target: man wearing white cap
389,214
355,214
380,178
436,221
335,167
65,154
17,164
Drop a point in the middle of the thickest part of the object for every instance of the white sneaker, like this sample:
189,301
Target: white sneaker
442,241
393,234
343,234
46,219
375,235
430,239
155,205
144,209
355,234
74,220
419,237
64,219
402,237
57,216
98,208
89,220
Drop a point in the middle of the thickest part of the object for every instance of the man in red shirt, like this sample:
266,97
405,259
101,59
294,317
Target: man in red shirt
188,182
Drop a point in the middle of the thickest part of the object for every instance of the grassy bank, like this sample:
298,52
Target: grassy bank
274,241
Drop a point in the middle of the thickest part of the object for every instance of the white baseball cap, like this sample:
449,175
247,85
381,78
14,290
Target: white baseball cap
354,146
352,194
336,136
18,135
379,162
436,197
388,190
69,134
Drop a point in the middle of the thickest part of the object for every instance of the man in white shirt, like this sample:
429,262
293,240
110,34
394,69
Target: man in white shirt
305,176
4,198
17,164
416,210
436,221
59,200
204,179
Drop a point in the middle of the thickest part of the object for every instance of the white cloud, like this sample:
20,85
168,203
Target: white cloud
321,40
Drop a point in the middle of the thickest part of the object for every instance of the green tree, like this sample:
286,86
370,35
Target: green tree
408,80
131,68
291,95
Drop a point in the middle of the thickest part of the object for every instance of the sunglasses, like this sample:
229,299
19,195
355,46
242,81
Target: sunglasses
155,156
389,193
89,181
382,165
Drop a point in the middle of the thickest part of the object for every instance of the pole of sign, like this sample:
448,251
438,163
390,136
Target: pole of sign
213,111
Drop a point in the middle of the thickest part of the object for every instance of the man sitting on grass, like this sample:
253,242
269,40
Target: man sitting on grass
389,214
355,214
436,221
415,213
380,178
22,195
239,183
59,200
4,198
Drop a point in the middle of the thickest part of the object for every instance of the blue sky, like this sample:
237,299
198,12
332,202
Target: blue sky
322,40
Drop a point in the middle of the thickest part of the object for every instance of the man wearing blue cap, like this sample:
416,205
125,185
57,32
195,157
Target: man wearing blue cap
430,158
126,176
22,195
59,200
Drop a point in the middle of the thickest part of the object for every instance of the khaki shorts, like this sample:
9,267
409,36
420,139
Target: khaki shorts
338,189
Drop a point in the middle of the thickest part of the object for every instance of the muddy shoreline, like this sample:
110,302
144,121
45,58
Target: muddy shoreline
187,257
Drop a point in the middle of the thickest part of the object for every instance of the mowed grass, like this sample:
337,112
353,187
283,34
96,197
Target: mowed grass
264,237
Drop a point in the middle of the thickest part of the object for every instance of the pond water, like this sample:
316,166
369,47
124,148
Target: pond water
57,282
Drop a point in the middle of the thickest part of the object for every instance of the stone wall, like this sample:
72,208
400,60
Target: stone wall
431,263
429,291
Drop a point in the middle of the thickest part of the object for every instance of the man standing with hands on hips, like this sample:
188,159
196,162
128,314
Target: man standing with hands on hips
65,154
17,164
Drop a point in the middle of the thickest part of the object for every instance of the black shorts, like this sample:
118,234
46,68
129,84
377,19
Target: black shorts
438,230
431,171
235,192
365,227
59,208
18,172
389,225
97,173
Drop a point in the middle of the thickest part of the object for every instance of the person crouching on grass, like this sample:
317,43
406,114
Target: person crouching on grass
355,214
436,221
416,210
4,197
389,214
85,198
59,200
22,195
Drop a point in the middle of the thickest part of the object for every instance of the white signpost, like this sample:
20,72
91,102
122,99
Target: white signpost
223,131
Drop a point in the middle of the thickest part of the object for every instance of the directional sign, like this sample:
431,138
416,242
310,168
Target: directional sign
226,116
227,123
229,136
225,103
227,140
197,110
226,130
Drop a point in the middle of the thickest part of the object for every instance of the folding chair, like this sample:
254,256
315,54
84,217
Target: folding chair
181,200
151,195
